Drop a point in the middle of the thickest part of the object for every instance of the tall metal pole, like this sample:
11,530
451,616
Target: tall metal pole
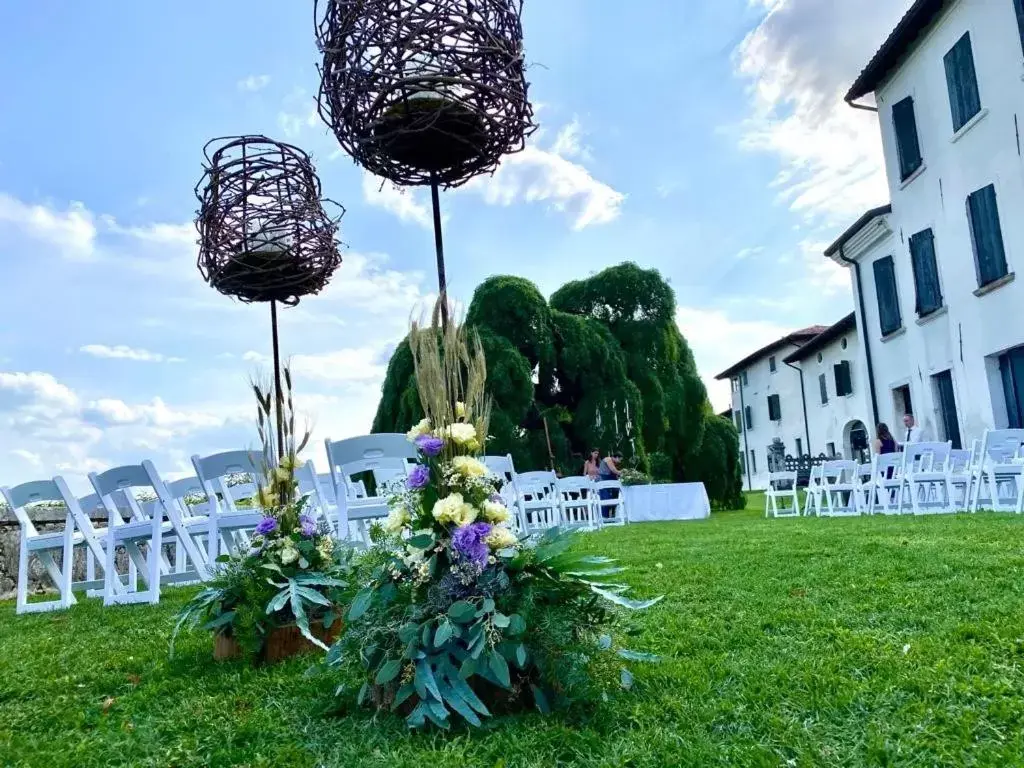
442,280
278,396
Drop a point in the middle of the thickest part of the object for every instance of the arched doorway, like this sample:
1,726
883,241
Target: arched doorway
856,442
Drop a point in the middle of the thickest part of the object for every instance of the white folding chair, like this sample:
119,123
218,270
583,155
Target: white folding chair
230,524
611,503
187,493
317,502
780,497
539,505
840,486
387,457
960,476
1000,471
577,497
865,495
887,486
501,467
926,474
813,493
54,549
142,529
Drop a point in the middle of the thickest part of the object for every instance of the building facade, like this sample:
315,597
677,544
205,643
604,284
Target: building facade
940,313
801,394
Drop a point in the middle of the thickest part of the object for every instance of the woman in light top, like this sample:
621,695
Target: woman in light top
592,466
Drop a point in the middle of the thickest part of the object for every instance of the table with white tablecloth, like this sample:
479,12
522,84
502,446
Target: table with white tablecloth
676,501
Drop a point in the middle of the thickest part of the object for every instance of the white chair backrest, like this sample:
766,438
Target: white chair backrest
574,485
888,467
959,461
814,479
926,457
778,479
541,483
501,466
1003,446
21,496
127,479
387,455
214,471
839,471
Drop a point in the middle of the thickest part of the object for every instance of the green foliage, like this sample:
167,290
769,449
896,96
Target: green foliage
634,477
718,464
603,365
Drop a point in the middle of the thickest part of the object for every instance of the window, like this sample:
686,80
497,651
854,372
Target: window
926,273
743,463
753,462
749,414
1018,6
799,447
1011,368
962,82
987,235
774,408
735,385
947,408
831,448
823,386
819,357
844,381
739,421
771,364
907,146
743,377
889,318
843,344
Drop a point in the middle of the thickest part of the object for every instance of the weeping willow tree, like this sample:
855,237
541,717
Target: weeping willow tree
603,365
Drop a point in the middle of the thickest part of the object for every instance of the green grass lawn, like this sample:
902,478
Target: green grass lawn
799,642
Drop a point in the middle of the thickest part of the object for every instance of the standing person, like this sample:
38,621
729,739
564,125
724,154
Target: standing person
609,469
914,433
592,466
884,442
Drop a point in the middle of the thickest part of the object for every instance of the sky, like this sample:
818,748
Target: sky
707,140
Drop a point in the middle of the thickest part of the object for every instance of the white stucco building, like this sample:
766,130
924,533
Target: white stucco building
940,313
806,390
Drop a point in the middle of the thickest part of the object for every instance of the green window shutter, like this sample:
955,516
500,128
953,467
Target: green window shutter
908,148
739,421
844,382
889,317
987,235
823,386
774,408
749,414
926,273
962,82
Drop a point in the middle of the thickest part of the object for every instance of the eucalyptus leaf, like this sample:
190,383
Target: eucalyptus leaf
625,602
540,700
501,621
516,625
360,604
443,634
626,679
638,656
388,671
422,541
604,642
499,667
462,612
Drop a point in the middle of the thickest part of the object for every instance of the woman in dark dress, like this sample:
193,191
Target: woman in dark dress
885,442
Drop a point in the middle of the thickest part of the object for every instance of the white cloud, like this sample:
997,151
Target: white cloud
403,203
38,387
111,412
254,83
718,341
357,364
824,276
72,231
551,176
122,352
28,457
800,61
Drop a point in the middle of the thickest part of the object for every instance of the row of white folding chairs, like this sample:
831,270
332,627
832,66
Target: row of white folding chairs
923,478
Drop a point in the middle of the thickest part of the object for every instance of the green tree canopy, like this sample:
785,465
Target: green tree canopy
603,365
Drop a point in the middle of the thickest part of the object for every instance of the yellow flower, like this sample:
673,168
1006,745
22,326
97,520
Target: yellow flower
290,462
495,512
397,520
325,547
289,554
469,467
460,410
420,429
463,434
267,498
282,475
501,538
454,510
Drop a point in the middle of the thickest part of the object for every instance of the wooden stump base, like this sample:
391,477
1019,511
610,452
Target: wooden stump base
282,643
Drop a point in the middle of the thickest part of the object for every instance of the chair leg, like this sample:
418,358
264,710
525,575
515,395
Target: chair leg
22,595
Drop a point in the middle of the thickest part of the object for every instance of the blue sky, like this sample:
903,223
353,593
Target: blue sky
707,140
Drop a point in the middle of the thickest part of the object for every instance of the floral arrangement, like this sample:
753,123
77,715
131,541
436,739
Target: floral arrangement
292,571
459,616
634,477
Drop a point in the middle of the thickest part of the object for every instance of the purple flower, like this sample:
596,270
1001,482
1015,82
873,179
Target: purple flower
496,499
469,543
418,478
307,525
430,445
266,525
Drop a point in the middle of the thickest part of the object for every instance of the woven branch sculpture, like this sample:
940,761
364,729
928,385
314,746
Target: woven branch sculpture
424,91
263,232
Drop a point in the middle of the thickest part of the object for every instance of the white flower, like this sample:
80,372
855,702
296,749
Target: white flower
397,520
495,512
460,410
462,434
289,554
454,510
501,538
469,467
419,430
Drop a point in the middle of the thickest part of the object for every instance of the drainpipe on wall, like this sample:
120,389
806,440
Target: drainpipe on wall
865,107
862,329
803,401
746,448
